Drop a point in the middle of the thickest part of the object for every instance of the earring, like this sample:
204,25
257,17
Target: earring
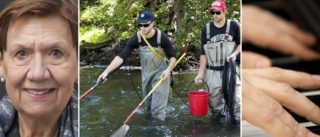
2,79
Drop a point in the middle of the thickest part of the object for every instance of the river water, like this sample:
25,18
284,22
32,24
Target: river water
103,111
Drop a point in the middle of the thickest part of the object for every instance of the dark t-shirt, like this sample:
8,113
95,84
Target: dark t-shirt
133,43
216,34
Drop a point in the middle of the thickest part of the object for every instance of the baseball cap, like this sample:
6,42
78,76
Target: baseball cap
144,17
218,5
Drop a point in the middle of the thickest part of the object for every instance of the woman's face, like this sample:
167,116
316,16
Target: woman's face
40,65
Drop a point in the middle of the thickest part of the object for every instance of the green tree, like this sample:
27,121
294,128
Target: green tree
108,24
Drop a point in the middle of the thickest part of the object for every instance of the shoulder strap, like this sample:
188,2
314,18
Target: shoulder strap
151,48
139,38
208,32
228,26
159,37
226,36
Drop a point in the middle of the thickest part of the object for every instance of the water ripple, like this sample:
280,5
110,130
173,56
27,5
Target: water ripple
93,101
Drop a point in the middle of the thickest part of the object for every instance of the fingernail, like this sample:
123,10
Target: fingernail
310,134
316,77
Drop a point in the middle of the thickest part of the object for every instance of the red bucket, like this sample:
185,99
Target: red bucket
198,103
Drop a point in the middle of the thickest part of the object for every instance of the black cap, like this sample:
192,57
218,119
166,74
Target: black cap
145,17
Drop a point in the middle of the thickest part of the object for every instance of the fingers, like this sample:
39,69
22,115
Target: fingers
293,78
232,56
104,80
275,33
228,59
304,37
254,60
289,45
272,21
99,78
103,76
165,75
270,38
264,119
265,112
198,80
288,97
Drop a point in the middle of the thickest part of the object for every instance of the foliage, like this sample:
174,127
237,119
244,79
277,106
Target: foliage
114,20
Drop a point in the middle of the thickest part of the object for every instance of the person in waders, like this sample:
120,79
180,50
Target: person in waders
154,48
218,40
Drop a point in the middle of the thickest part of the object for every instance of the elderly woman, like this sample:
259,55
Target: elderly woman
38,63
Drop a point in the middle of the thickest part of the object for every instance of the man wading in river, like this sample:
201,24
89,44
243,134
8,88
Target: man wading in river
154,67
218,40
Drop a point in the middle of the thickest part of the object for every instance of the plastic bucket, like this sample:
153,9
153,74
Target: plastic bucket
198,103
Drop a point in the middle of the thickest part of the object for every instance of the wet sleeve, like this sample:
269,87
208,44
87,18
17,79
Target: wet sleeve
203,40
167,45
236,32
131,44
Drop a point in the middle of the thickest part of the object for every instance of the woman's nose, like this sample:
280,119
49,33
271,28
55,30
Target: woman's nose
38,69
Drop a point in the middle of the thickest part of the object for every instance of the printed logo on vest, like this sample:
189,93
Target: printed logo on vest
220,37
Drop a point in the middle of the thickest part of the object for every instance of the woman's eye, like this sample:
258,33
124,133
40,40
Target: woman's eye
21,54
56,53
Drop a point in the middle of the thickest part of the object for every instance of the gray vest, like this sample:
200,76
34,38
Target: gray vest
218,52
151,64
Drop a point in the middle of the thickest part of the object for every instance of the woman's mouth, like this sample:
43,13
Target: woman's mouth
37,92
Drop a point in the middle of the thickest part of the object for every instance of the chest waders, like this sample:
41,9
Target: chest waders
151,69
216,54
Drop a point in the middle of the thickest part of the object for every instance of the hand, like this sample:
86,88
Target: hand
265,91
103,76
198,79
165,74
267,30
232,56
